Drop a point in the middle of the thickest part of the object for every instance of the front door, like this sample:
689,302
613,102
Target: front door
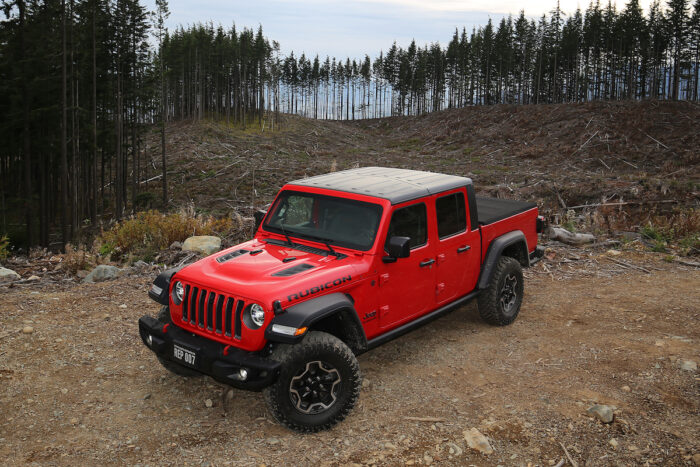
407,286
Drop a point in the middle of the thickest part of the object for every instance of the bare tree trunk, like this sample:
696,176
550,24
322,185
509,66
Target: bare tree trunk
26,136
65,208
74,134
162,131
93,172
118,133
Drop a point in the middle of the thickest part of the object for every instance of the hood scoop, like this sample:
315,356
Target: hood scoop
228,256
293,270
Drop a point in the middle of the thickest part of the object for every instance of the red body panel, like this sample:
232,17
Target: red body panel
386,295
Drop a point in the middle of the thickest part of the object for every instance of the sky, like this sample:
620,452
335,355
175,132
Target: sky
342,28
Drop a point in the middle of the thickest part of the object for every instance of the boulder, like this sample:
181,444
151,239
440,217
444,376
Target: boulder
140,266
204,244
101,273
8,274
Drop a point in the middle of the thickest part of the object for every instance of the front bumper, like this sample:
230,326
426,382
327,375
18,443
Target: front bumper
219,361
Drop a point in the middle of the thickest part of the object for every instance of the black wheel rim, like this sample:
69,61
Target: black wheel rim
509,294
315,388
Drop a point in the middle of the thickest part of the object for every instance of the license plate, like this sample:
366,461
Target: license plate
184,356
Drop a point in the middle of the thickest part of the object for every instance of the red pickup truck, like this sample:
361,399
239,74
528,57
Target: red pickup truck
340,263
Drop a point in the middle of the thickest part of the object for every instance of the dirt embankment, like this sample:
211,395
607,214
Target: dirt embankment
638,158
618,330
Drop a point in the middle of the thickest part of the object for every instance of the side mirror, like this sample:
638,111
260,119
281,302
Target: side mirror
398,247
258,215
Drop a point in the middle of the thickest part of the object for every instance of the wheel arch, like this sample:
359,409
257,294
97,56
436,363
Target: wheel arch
512,244
333,313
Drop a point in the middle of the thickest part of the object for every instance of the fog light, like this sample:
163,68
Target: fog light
149,340
243,374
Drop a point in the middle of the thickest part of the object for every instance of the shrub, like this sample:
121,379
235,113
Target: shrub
4,247
681,227
75,259
148,232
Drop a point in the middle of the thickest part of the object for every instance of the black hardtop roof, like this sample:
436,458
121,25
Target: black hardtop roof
396,185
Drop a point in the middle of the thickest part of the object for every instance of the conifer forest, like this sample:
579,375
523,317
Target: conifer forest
83,81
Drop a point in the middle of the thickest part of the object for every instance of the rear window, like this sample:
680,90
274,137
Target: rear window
412,222
451,214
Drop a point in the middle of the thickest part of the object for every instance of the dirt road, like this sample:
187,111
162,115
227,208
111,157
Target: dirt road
82,389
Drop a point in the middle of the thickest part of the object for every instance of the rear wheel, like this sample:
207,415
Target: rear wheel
318,385
499,303
172,367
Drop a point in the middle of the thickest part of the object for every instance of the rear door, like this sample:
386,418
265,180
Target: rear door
407,286
457,247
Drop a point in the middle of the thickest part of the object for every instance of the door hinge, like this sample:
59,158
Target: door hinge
383,278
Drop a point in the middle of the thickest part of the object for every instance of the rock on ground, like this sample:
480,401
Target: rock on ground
475,440
604,413
101,273
687,365
204,244
8,274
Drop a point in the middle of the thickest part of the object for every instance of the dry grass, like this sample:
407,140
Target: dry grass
78,258
148,232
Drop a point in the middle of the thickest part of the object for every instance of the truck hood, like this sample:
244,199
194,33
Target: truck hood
266,272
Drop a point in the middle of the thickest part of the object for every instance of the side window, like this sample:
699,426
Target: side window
411,221
451,215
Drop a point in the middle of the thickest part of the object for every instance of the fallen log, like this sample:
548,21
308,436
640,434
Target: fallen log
564,236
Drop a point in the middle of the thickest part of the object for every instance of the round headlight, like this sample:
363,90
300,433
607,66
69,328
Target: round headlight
257,314
179,293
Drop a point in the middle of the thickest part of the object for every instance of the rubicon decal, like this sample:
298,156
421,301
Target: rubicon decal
319,288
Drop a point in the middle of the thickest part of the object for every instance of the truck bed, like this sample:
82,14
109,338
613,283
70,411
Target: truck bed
492,210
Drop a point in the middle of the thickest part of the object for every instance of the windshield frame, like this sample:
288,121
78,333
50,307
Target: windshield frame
290,231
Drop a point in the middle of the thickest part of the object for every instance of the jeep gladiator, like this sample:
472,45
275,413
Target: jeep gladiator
340,263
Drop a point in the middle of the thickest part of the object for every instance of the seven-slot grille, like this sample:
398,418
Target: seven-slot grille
213,312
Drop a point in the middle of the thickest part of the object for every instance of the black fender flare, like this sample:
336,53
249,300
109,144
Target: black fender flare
161,285
307,313
494,254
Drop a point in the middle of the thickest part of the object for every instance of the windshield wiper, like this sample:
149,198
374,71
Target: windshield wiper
289,239
327,242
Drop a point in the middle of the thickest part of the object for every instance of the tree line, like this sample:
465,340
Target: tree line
82,81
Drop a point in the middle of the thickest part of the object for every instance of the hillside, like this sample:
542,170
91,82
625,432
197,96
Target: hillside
643,154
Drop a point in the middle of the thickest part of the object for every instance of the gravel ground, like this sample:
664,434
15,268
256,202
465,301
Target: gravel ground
78,387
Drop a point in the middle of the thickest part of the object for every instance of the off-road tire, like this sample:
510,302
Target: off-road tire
283,403
491,300
172,367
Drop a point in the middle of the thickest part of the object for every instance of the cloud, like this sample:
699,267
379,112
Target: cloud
354,28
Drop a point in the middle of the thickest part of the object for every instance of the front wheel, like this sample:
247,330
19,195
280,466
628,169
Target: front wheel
499,303
318,385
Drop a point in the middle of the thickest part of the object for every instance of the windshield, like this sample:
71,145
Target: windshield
326,219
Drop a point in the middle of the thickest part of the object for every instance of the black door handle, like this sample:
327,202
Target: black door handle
462,249
427,262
